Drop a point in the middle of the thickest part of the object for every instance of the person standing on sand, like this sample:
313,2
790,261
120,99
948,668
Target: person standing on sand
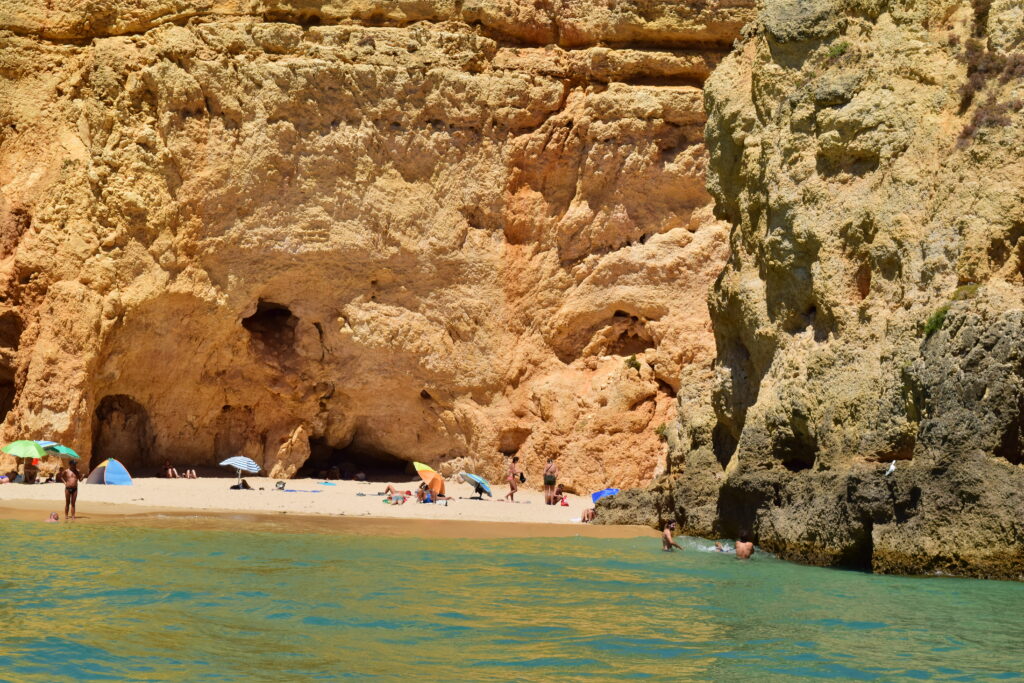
70,478
744,548
667,542
550,477
513,479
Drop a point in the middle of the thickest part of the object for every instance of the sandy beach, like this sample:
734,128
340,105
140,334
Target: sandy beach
346,499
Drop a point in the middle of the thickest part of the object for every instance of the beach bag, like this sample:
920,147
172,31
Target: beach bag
522,478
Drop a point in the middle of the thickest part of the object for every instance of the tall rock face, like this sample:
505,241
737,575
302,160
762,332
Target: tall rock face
328,232
870,159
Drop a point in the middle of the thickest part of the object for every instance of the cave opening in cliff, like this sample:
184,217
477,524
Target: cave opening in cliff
7,391
121,430
273,326
797,454
1011,444
327,461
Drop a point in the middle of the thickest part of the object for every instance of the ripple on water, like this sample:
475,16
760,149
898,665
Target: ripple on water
117,603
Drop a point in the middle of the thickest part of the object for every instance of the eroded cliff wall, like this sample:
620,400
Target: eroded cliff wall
870,159
313,232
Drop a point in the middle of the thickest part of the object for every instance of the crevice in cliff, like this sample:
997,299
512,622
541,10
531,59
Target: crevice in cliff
8,390
272,327
312,18
1011,444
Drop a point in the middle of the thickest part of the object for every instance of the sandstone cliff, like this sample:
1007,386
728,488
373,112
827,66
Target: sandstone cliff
367,231
870,160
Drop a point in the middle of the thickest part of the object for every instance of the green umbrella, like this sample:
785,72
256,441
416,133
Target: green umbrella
63,451
24,449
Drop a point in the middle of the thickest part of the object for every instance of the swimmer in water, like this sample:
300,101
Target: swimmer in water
744,548
667,543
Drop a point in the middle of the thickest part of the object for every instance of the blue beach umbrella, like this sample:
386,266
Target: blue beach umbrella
479,483
603,494
242,464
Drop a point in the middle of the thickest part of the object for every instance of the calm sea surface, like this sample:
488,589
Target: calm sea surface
99,602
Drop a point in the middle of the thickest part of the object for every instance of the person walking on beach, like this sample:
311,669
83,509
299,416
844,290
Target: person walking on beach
667,542
513,479
550,477
744,548
70,478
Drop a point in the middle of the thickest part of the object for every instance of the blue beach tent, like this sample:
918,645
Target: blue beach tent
110,471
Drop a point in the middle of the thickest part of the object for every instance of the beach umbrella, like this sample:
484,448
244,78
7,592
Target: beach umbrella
242,464
479,483
110,472
62,451
433,478
46,444
603,494
24,449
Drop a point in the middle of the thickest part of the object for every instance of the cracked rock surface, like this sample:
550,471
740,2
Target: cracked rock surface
357,233
870,160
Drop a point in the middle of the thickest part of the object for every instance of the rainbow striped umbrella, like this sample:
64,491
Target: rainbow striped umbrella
433,478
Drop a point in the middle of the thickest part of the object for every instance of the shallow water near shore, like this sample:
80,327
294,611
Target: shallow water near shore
122,602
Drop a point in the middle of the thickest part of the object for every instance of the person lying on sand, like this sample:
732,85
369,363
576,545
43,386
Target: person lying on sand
190,474
744,548
394,496
169,471
667,542
54,517
588,515
70,478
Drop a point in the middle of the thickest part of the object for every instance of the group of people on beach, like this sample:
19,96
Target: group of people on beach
554,493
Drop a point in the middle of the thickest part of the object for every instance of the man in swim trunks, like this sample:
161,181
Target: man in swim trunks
70,478
550,477
667,542
744,548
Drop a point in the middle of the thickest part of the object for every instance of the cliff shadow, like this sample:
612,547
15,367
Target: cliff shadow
122,430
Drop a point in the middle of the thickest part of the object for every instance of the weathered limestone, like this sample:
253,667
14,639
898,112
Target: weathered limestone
367,232
871,163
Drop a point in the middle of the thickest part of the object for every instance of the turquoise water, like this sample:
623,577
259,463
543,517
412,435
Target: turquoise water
99,602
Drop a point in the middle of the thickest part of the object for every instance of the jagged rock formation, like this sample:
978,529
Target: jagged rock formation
870,159
314,232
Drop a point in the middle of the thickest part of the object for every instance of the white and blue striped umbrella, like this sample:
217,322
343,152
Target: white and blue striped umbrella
242,463
478,482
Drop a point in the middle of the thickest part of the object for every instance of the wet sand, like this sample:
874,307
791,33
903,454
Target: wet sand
314,507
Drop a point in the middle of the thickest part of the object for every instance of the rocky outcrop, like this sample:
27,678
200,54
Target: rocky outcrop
871,163
331,232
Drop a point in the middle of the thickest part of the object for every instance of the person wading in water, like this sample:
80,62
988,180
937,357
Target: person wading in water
513,479
667,541
70,478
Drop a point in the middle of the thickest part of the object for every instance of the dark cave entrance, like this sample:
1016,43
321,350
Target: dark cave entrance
326,461
10,336
7,391
121,430
272,326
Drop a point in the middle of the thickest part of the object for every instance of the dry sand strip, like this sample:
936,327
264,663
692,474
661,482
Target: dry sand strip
176,498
